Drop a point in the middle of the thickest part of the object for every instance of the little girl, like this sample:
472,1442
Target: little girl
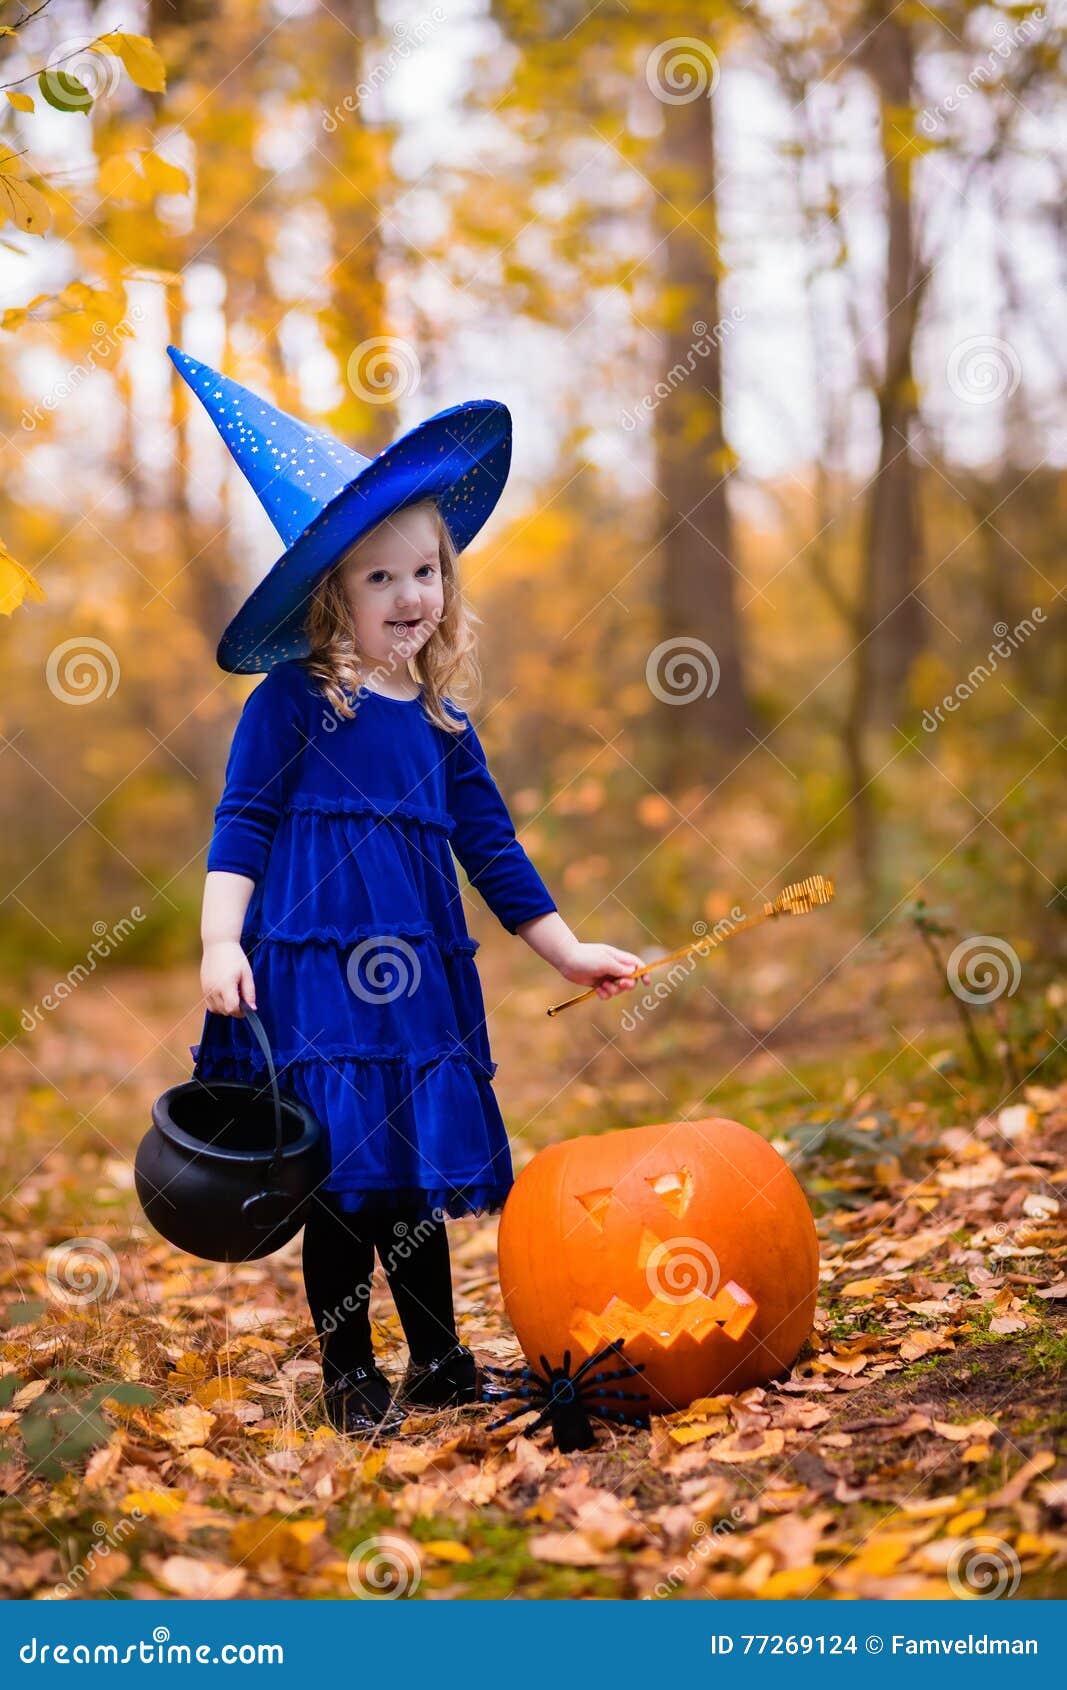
332,903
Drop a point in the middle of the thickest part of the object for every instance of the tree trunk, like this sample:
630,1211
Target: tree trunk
698,671
894,553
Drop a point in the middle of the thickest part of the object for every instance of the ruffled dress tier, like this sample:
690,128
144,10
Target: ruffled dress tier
365,977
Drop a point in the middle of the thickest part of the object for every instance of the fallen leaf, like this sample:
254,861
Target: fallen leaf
190,1424
960,1434
446,1549
202,1580
156,1504
1011,1493
567,1549
288,1542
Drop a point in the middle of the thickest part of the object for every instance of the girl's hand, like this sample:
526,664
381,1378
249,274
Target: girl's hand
226,978
602,966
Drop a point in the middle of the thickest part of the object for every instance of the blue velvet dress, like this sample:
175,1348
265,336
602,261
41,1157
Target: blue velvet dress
355,932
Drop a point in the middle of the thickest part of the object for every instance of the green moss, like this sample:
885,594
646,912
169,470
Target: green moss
501,1563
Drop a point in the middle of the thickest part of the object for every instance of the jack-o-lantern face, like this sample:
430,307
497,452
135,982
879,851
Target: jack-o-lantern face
691,1241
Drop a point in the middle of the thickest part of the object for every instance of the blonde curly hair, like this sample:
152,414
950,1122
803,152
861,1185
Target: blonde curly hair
445,663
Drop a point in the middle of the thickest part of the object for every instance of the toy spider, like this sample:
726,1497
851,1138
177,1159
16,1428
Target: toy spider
568,1404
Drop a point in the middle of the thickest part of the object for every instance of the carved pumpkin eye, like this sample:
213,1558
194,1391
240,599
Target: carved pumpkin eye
676,1190
595,1203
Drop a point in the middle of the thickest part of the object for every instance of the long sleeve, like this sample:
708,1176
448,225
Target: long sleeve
484,841
266,747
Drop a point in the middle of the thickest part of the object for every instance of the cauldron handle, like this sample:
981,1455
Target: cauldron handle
264,1044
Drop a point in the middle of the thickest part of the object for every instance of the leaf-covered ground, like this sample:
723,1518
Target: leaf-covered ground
159,1417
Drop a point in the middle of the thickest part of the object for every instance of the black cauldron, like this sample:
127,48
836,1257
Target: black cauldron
225,1172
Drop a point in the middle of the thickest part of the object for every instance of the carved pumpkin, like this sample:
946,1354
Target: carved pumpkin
691,1241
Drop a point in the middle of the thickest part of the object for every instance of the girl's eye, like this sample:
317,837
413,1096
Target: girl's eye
380,572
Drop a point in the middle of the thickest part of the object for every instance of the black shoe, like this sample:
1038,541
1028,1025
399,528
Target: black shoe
360,1402
445,1383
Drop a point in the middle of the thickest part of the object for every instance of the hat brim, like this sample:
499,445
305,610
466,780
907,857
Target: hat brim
460,457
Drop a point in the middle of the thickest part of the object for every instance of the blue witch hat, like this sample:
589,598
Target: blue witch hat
322,496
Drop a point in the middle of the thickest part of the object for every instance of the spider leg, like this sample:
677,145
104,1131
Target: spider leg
619,1373
510,1373
516,1414
594,1361
602,1391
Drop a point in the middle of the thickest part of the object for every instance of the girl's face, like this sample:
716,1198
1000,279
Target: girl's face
392,583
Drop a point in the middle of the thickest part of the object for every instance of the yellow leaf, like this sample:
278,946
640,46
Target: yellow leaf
698,1409
21,102
188,1425
110,307
21,203
865,1287
289,1542
164,177
140,58
962,1525
16,584
880,1554
443,1549
227,1390
157,1504
204,1465
118,178
189,1369
792,1581
694,1433
373,1463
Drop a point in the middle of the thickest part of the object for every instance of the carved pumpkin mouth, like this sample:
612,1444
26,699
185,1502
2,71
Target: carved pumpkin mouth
663,1323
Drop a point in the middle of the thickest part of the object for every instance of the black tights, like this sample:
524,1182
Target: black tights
338,1266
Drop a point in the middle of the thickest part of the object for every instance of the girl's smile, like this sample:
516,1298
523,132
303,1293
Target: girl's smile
392,583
